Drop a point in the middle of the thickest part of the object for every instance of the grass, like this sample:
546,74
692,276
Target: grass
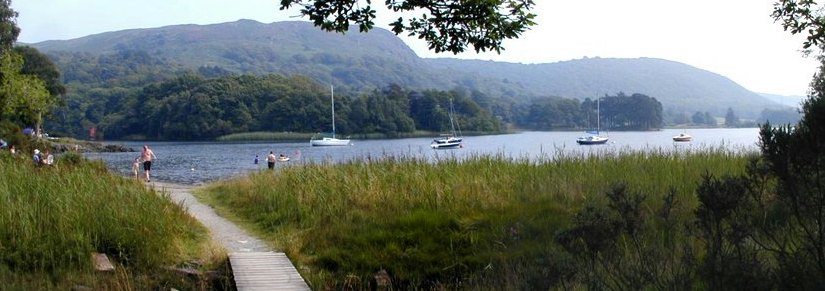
485,222
53,218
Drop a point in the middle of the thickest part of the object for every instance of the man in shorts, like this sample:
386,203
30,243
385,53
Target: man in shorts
147,156
270,161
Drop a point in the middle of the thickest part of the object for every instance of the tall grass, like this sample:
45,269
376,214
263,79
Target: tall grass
484,221
53,218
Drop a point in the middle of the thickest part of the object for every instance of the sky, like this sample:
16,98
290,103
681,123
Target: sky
734,38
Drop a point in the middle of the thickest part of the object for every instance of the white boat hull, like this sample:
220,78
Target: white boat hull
329,141
590,140
446,143
682,138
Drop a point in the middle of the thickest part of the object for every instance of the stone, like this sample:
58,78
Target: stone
102,263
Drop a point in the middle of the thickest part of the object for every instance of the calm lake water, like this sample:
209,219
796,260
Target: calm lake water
200,162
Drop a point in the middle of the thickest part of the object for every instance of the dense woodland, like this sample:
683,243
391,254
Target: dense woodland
133,95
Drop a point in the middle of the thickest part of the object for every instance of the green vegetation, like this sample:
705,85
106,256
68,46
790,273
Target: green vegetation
446,25
487,222
54,218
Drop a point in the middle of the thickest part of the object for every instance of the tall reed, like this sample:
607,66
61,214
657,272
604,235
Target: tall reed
53,218
451,222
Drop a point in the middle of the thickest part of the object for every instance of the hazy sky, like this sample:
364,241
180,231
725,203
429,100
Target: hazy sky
735,38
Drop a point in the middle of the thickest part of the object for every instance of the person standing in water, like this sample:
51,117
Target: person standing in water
270,161
147,156
136,168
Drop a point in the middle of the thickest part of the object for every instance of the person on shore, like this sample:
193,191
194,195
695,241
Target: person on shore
270,161
12,150
48,159
36,158
147,156
136,168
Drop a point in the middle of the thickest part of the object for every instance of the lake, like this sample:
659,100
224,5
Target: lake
200,162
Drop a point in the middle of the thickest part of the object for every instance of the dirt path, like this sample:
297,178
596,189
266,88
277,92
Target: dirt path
229,235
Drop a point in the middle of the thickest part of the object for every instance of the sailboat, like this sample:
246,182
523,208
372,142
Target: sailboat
593,137
449,141
330,141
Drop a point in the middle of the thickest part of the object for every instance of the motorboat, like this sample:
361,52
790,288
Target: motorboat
682,137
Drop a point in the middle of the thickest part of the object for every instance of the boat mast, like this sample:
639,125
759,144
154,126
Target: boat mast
452,125
332,100
598,118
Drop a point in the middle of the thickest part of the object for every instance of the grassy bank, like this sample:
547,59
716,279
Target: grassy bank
53,218
486,222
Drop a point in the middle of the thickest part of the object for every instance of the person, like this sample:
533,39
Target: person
147,156
12,150
256,159
136,168
49,158
36,158
270,160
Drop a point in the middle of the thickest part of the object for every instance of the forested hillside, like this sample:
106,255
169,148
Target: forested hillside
366,61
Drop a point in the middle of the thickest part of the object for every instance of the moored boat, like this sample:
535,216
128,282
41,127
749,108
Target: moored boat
330,141
682,137
448,141
593,137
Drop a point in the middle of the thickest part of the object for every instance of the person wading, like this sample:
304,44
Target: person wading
147,156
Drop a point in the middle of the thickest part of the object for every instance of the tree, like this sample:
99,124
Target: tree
23,97
698,118
8,26
38,64
802,16
446,25
709,119
731,120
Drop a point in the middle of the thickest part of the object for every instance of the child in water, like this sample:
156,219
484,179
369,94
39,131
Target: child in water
136,167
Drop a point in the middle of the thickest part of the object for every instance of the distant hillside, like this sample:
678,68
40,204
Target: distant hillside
678,86
360,61
790,101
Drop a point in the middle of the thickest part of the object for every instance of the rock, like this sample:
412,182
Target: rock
102,263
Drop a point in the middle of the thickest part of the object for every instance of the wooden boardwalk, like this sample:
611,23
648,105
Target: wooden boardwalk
265,271
254,265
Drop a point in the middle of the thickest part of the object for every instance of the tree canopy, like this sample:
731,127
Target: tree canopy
8,25
446,25
802,16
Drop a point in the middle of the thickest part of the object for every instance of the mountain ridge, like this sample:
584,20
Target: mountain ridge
364,61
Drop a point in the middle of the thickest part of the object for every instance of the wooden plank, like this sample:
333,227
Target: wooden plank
265,271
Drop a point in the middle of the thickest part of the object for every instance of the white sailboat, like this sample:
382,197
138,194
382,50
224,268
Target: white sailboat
593,137
330,141
449,141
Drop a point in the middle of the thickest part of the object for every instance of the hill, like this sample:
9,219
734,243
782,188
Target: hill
364,61
678,86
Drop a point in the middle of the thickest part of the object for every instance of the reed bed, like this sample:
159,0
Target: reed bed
53,218
482,222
